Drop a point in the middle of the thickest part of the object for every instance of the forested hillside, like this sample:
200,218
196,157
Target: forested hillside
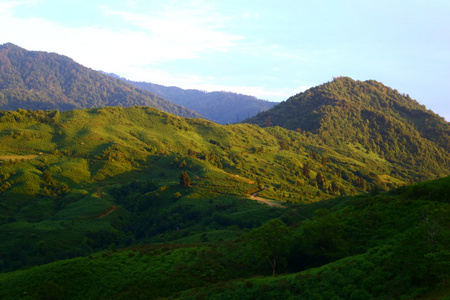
185,203
390,246
221,107
41,80
369,116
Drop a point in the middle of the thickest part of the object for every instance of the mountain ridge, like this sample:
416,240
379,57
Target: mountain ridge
219,106
42,80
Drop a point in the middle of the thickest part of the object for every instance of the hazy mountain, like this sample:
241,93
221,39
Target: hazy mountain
221,107
367,115
41,80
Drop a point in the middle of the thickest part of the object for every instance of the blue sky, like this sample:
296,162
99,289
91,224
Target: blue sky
268,49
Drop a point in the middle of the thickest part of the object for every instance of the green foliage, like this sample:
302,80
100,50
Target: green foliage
270,242
371,247
362,247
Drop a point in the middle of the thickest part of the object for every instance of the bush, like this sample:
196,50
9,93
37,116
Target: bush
177,196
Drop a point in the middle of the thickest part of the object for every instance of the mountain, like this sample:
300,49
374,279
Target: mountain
367,115
221,107
41,80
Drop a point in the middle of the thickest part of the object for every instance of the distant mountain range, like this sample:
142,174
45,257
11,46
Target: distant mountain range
221,107
41,80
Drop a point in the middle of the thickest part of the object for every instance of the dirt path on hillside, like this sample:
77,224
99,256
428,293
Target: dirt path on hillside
108,212
254,196
238,177
242,178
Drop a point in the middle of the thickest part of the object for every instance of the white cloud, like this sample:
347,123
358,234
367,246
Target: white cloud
191,31
6,7
166,35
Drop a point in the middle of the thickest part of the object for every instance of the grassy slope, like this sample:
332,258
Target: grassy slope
106,142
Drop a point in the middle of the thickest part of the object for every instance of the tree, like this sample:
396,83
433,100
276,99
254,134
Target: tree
320,180
270,241
334,187
185,181
306,170
284,145
259,183
323,238
360,183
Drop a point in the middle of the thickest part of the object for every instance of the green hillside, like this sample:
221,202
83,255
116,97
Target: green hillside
377,119
62,171
41,80
393,245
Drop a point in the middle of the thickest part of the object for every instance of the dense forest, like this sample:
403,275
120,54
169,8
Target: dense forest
41,80
220,107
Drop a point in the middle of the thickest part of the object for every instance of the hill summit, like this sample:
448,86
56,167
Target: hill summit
367,115
41,80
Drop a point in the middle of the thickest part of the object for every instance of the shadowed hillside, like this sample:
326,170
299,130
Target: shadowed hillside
390,246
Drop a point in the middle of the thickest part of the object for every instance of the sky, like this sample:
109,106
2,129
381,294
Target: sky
268,49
